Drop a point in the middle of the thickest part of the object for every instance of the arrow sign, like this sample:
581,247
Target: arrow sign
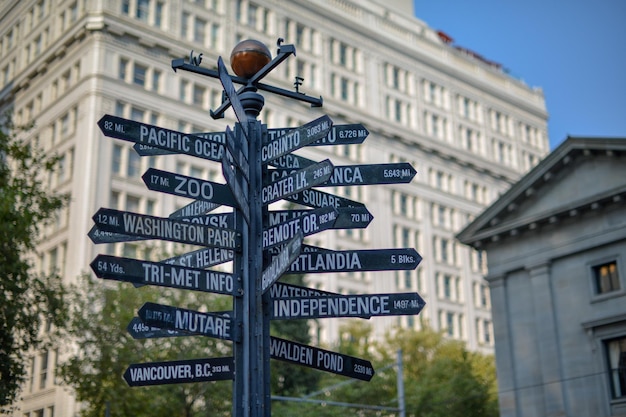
98,236
295,182
190,321
347,217
318,199
171,140
240,193
370,305
146,150
231,93
184,186
291,161
296,139
179,372
313,222
195,208
225,220
324,360
281,262
283,350
349,134
202,258
153,227
138,330
283,290
370,174
355,260
162,275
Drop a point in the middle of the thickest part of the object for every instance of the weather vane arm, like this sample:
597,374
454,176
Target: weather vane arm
284,51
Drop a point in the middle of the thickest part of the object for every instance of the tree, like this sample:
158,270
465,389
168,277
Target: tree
441,378
104,349
28,299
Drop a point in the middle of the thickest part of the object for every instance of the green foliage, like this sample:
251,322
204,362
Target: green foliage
28,299
105,349
441,378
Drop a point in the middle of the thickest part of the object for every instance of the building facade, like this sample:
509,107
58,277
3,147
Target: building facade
556,243
468,128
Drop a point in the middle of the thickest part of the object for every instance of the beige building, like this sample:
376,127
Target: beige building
556,244
468,128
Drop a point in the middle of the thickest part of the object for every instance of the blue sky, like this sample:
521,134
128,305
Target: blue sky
575,50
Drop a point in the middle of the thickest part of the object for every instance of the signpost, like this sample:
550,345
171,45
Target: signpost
261,245
347,217
179,372
280,263
363,174
324,260
369,305
190,321
296,181
296,139
280,349
189,187
153,227
163,275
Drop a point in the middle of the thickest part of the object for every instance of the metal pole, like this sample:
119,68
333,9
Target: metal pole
400,382
251,396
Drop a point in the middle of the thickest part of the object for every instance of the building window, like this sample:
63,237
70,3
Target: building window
606,278
143,7
43,375
616,355
139,75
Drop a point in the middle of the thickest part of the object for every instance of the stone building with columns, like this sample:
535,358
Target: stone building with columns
556,247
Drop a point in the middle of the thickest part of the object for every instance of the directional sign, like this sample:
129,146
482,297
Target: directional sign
195,208
296,139
178,372
162,274
369,305
190,321
313,222
153,227
280,263
363,174
338,135
98,236
283,350
239,192
138,330
171,140
283,290
347,218
147,150
347,134
295,182
190,187
291,161
225,220
231,93
324,360
202,258
317,199
355,260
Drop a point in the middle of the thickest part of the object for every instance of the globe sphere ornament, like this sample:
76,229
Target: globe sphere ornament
248,57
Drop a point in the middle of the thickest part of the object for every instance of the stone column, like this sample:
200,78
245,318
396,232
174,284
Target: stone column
548,340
